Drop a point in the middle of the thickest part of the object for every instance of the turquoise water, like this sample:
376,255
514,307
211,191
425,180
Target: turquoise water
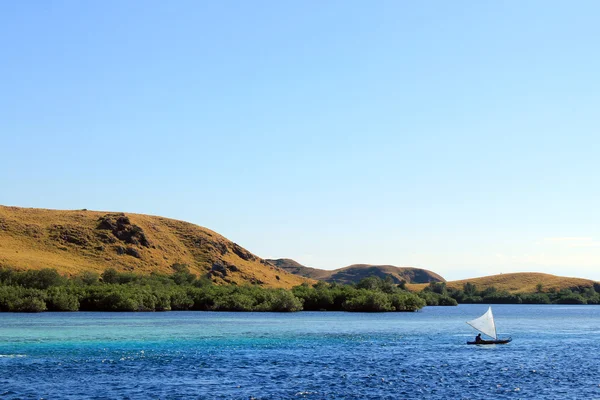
308,355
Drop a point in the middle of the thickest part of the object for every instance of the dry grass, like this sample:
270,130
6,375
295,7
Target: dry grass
71,242
518,282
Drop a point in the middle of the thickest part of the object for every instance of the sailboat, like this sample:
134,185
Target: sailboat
486,325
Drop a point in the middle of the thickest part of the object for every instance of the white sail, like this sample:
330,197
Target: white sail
485,324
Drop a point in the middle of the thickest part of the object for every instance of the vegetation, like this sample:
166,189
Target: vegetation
76,241
371,294
517,283
490,295
46,289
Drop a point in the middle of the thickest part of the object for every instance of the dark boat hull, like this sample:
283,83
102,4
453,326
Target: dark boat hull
484,342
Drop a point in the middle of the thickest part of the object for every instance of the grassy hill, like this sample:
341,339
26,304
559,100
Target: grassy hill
356,272
296,268
76,241
518,282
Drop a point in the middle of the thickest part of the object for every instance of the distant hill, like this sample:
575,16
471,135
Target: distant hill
81,240
76,241
295,268
356,272
518,282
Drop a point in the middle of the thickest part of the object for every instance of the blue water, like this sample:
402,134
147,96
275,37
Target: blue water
185,355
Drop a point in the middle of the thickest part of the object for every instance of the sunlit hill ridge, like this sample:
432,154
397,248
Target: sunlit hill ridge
75,241
354,273
518,282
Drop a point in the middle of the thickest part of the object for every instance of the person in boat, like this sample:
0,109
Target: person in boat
478,338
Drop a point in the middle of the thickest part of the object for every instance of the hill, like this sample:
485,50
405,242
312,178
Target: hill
296,268
518,282
356,272
76,241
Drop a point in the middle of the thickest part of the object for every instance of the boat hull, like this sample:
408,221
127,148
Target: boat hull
486,342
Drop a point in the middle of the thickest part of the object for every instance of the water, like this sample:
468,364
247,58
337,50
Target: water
188,355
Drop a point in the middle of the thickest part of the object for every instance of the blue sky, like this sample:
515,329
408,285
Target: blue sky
461,137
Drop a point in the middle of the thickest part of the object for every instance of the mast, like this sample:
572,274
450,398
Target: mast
495,331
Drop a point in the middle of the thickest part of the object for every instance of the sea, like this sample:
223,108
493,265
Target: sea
555,354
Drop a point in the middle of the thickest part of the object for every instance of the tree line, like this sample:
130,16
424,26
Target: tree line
491,295
47,290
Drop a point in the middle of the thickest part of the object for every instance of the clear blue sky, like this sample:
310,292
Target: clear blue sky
457,136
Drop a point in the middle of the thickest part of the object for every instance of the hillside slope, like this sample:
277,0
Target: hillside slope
356,272
76,241
296,268
518,282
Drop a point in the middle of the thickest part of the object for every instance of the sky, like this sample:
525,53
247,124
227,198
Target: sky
461,137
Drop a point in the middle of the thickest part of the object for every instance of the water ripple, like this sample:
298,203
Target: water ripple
300,356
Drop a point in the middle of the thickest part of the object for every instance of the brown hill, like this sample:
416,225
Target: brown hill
518,282
356,272
296,268
76,241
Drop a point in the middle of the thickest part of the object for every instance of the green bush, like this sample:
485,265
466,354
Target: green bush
431,298
119,301
315,298
29,304
571,298
407,302
110,275
61,299
283,300
447,301
31,279
535,298
496,297
89,278
20,299
369,301
234,302
8,296
162,301
33,291
180,300
182,274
